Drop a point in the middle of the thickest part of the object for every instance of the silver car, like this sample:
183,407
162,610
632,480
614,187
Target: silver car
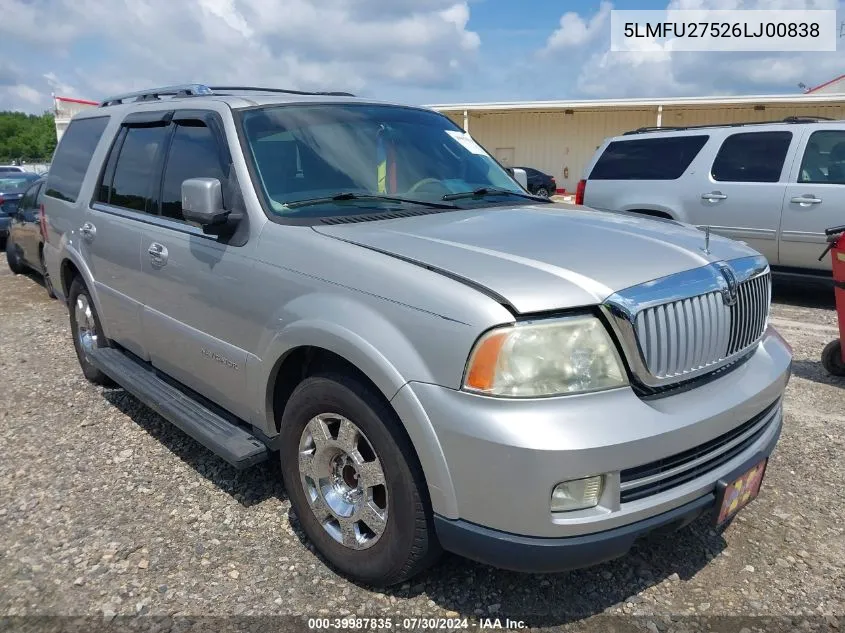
440,359
776,186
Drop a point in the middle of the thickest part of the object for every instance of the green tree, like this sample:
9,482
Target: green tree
27,137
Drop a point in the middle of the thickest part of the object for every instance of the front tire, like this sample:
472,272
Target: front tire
13,257
354,481
86,330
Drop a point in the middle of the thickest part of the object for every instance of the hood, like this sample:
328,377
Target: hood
543,257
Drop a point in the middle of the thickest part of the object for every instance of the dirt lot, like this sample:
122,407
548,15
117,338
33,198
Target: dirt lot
106,509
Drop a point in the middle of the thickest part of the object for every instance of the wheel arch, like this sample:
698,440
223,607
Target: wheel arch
306,348
71,266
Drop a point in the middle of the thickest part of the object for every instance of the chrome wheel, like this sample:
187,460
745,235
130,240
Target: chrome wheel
343,481
86,329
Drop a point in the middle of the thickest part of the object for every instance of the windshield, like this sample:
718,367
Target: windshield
16,184
316,152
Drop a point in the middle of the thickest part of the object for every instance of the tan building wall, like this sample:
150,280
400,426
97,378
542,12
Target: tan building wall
561,140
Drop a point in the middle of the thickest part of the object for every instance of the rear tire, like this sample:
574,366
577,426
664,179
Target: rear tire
332,490
13,257
832,358
542,192
86,330
45,275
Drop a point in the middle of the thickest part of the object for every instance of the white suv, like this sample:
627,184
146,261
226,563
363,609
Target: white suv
775,186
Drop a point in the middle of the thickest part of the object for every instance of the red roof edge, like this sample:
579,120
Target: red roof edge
827,83
72,100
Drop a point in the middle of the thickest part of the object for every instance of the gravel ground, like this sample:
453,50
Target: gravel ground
106,509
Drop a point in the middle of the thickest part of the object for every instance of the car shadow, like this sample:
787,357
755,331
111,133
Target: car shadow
807,294
474,590
248,487
814,371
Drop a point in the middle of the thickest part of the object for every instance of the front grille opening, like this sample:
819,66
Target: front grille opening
688,335
712,448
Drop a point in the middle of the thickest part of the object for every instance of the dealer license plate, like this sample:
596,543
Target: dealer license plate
735,495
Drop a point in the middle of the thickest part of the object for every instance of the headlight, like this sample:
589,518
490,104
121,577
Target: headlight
560,356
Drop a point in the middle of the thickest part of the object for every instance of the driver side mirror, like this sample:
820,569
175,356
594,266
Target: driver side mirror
519,175
202,201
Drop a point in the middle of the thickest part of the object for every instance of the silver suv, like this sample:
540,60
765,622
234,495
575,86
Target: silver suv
775,186
440,359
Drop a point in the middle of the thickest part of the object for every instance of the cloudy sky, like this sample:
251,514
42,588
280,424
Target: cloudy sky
416,51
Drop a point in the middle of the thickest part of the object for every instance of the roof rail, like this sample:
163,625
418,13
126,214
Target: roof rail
224,89
199,90
183,90
789,119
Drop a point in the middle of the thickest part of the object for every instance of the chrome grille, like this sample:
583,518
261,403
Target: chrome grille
691,323
691,334
750,313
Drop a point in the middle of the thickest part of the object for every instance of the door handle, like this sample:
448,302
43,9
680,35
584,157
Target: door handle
89,231
806,199
714,195
158,254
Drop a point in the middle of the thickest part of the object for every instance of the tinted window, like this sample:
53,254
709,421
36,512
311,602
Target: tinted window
824,158
133,172
194,153
16,182
751,157
72,157
648,158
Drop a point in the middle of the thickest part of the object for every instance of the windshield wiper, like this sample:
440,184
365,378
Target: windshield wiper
492,191
340,197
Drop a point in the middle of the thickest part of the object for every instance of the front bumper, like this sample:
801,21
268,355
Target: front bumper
500,459
547,555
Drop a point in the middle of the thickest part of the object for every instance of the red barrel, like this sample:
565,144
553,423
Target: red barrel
832,356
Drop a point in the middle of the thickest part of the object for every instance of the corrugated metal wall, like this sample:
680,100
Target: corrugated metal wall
553,141
557,143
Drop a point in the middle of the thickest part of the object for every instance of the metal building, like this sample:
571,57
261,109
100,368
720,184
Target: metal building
560,137
65,108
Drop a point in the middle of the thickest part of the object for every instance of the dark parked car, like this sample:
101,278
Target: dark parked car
24,247
12,187
540,184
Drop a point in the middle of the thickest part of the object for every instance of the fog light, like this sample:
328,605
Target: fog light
577,494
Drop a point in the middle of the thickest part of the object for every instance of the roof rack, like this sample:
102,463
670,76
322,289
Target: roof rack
224,89
789,119
201,90
184,90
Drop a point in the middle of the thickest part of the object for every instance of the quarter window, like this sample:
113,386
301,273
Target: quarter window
824,158
135,170
751,157
194,153
664,158
72,157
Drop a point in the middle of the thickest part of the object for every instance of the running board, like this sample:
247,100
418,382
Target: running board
231,442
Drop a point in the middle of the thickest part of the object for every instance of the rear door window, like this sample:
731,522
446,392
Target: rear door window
665,158
136,170
72,157
824,158
194,153
751,157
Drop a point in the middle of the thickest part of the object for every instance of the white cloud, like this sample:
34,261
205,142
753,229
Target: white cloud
94,48
576,31
655,70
